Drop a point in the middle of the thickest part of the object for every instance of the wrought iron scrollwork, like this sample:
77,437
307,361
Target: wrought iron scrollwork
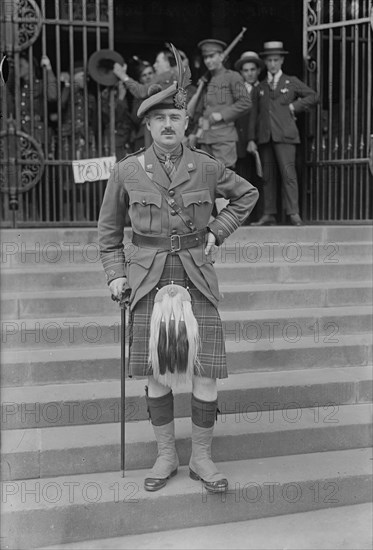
21,162
311,13
28,18
312,16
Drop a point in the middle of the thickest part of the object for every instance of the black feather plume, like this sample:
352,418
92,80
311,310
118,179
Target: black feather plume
183,73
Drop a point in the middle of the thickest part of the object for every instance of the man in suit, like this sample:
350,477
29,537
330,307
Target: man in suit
272,126
169,191
249,65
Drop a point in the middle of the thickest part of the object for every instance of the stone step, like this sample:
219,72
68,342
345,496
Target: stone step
65,450
74,303
88,507
99,402
232,251
325,323
335,528
47,278
13,239
80,364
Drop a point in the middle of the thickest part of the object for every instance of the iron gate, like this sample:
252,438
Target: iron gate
338,53
52,113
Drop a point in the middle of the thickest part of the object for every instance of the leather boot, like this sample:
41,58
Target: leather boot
201,467
295,219
266,219
161,412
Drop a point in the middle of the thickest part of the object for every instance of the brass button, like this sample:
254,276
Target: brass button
199,202
143,201
171,193
173,213
174,232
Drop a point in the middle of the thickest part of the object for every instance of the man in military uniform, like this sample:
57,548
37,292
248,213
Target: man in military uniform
84,129
31,96
170,190
276,103
224,99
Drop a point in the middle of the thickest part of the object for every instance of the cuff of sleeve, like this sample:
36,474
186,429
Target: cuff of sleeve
218,231
114,272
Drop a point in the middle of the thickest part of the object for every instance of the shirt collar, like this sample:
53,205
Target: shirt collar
162,155
275,78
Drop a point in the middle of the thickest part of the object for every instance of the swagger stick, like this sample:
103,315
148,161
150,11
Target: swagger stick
122,384
123,303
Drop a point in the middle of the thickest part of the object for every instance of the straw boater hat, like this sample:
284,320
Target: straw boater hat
273,48
248,57
170,97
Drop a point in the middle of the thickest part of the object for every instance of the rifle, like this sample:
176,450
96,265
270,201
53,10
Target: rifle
205,78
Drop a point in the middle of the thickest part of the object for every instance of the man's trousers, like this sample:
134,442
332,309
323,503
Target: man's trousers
281,155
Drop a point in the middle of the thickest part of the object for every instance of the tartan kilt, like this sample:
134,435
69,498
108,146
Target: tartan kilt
212,352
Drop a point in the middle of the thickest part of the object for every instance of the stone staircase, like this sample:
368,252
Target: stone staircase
295,425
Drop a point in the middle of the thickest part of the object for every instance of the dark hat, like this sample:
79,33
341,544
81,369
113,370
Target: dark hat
100,66
247,57
211,46
172,97
273,48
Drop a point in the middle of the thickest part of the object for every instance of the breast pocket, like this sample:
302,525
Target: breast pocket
198,204
145,211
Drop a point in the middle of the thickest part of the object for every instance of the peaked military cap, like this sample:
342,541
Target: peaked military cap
211,45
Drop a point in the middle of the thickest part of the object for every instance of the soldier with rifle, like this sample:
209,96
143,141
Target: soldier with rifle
220,99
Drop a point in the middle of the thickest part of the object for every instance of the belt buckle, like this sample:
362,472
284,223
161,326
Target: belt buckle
174,248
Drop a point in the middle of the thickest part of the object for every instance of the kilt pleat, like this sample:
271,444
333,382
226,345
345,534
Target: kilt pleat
212,353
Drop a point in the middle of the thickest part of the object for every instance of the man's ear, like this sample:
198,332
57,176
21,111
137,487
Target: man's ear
186,122
147,122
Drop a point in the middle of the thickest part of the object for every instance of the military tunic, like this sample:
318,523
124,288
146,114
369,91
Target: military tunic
225,94
199,179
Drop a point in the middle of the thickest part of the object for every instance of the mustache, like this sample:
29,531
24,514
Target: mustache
167,132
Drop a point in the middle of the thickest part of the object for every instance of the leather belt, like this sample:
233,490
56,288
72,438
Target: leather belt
174,243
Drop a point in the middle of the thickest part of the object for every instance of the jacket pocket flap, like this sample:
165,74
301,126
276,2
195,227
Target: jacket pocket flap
145,198
141,256
199,256
196,197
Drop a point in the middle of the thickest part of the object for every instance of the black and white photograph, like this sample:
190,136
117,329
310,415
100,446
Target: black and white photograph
186,277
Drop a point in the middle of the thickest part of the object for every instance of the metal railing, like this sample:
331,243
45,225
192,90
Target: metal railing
338,53
53,114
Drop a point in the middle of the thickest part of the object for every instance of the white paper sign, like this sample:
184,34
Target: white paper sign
92,169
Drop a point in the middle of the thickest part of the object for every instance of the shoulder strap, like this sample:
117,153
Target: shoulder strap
170,201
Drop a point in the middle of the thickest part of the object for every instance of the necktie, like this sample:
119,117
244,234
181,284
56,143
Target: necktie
169,167
272,84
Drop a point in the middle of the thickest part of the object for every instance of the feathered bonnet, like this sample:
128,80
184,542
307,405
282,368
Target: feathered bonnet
172,97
